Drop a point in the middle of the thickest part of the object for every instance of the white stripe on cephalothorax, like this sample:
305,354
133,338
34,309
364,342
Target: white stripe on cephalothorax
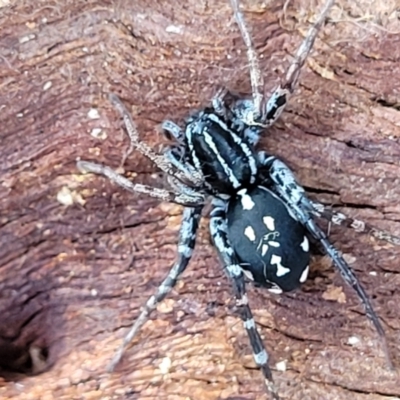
228,171
251,160
196,160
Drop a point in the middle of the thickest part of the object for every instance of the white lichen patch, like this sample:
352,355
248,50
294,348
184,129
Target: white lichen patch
98,133
174,29
47,85
68,197
281,365
64,196
353,340
165,365
93,113
27,38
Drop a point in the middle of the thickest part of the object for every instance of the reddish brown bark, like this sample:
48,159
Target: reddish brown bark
80,256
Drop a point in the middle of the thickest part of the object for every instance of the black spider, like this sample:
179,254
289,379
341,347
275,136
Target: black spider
261,217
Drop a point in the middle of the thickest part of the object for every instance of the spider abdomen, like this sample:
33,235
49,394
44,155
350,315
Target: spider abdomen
270,243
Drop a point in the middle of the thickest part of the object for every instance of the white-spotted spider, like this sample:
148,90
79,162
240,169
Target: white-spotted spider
261,218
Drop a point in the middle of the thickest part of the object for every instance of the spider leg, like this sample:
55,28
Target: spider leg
237,114
175,157
294,195
348,276
265,114
218,229
256,78
337,218
187,238
174,129
160,160
218,103
278,100
188,197
303,51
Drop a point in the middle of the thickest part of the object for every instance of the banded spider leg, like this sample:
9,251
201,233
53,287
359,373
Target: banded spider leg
284,184
161,160
186,243
181,194
188,197
219,234
260,112
338,218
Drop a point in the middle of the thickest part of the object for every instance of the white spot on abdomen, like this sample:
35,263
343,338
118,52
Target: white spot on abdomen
280,269
269,222
228,171
305,244
304,275
249,232
246,200
264,249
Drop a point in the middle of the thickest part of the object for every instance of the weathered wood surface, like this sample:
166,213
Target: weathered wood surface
80,256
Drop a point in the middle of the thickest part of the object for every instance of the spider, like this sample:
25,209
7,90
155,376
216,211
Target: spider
261,219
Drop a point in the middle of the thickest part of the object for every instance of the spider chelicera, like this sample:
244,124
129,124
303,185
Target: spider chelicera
261,219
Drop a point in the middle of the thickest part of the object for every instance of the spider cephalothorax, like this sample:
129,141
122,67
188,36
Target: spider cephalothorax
261,219
221,153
